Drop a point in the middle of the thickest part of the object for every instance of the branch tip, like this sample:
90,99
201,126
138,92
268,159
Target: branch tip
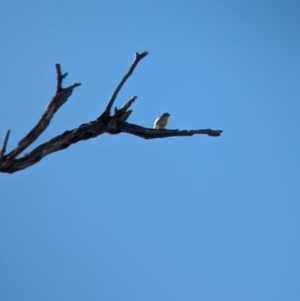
142,54
59,77
75,85
57,67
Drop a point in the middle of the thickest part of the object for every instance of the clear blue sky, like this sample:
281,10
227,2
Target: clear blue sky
121,218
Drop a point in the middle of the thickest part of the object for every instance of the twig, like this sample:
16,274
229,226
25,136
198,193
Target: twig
137,58
126,106
3,148
59,77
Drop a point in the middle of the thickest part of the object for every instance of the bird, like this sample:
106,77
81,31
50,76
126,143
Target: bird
161,121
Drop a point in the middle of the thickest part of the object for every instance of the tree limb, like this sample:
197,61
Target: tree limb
147,133
105,123
137,58
60,97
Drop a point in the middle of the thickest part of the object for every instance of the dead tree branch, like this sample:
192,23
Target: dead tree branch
3,148
137,58
105,123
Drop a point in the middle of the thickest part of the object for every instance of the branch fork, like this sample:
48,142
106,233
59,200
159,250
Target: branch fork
106,123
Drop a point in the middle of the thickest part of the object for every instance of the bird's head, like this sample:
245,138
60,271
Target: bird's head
166,114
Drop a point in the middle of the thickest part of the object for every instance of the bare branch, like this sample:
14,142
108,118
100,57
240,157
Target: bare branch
125,107
92,130
106,123
60,97
3,148
137,58
147,133
59,77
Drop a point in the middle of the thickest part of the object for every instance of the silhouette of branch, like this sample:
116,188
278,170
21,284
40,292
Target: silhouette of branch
3,148
60,97
153,134
105,123
137,58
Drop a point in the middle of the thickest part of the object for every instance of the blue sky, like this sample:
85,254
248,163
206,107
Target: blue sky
122,218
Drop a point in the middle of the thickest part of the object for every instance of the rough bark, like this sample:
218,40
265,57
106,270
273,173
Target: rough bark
107,122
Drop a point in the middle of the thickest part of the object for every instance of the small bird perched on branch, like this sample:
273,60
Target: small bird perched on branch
161,121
